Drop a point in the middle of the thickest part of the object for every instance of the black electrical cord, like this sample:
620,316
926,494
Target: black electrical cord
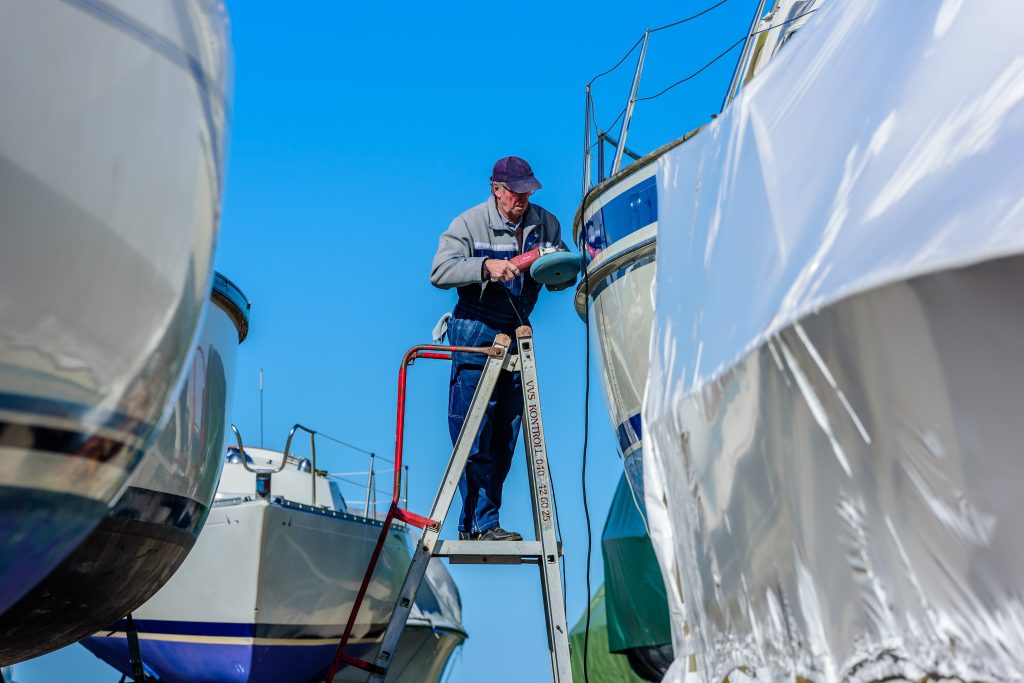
586,425
586,433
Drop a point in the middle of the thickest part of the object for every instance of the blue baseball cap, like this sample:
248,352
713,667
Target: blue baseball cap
516,174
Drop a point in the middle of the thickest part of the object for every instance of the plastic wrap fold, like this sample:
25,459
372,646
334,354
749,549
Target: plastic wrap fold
834,415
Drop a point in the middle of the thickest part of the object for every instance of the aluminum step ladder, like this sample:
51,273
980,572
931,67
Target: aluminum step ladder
545,552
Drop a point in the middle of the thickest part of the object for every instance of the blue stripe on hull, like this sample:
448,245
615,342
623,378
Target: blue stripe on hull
184,662
632,210
629,432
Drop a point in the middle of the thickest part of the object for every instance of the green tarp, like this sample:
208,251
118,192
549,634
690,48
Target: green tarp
636,603
603,666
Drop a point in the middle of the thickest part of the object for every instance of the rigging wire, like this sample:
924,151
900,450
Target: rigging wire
612,124
655,30
723,54
619,63
348,445
695,73
690,18
703,68
787,21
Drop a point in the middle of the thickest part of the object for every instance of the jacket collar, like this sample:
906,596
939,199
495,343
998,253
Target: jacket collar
496,222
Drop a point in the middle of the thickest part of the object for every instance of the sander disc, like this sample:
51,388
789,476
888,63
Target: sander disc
555,268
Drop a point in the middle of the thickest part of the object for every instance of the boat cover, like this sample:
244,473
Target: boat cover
438,604
603,666
883,142
635,601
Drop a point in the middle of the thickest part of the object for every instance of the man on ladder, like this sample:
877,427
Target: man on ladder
491,388
476,255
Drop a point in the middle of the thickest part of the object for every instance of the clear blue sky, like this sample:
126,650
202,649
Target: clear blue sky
358,132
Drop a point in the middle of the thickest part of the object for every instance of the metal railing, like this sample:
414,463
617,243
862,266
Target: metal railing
742,72
312,456
369,492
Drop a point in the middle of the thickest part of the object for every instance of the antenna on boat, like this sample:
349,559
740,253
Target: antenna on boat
261,407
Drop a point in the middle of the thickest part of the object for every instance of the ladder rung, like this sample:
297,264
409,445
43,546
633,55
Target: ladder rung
491,552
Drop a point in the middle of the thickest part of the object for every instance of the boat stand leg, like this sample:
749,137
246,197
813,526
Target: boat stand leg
134,653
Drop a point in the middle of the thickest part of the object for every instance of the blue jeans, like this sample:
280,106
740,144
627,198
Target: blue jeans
491,455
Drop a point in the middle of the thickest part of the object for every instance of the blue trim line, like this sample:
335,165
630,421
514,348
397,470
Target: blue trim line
37,405
629,432
635,208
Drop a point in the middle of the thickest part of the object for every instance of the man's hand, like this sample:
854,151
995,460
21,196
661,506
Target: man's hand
500,269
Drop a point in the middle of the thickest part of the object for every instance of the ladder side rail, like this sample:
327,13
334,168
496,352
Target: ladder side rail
543,510
470,427
429,351
439,510
346,635
339,654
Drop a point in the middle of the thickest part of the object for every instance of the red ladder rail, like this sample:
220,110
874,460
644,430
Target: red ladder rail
432,352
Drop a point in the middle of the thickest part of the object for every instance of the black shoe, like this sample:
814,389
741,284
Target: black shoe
496,533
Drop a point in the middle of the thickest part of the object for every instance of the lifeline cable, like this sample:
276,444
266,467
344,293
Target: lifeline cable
655,30
703,68
347,444
723,54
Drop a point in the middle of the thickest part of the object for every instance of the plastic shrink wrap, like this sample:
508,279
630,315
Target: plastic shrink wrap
834,415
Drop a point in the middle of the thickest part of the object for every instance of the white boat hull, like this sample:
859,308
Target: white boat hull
111,158
620,226
264,596
423,653
832,417
147,534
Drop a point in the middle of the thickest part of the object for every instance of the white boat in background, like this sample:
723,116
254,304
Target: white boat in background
267,590
148,533
617,227
832,442
111,166
432,633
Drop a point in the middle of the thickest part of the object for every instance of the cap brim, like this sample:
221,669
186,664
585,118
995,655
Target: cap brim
524,185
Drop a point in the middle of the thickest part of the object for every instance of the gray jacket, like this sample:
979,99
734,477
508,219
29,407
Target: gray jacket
478,234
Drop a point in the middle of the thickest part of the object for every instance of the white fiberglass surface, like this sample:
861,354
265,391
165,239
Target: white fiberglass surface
621,316
111,156
187,457
831,437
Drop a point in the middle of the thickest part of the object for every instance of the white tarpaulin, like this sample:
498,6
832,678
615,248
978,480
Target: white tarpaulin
834,415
